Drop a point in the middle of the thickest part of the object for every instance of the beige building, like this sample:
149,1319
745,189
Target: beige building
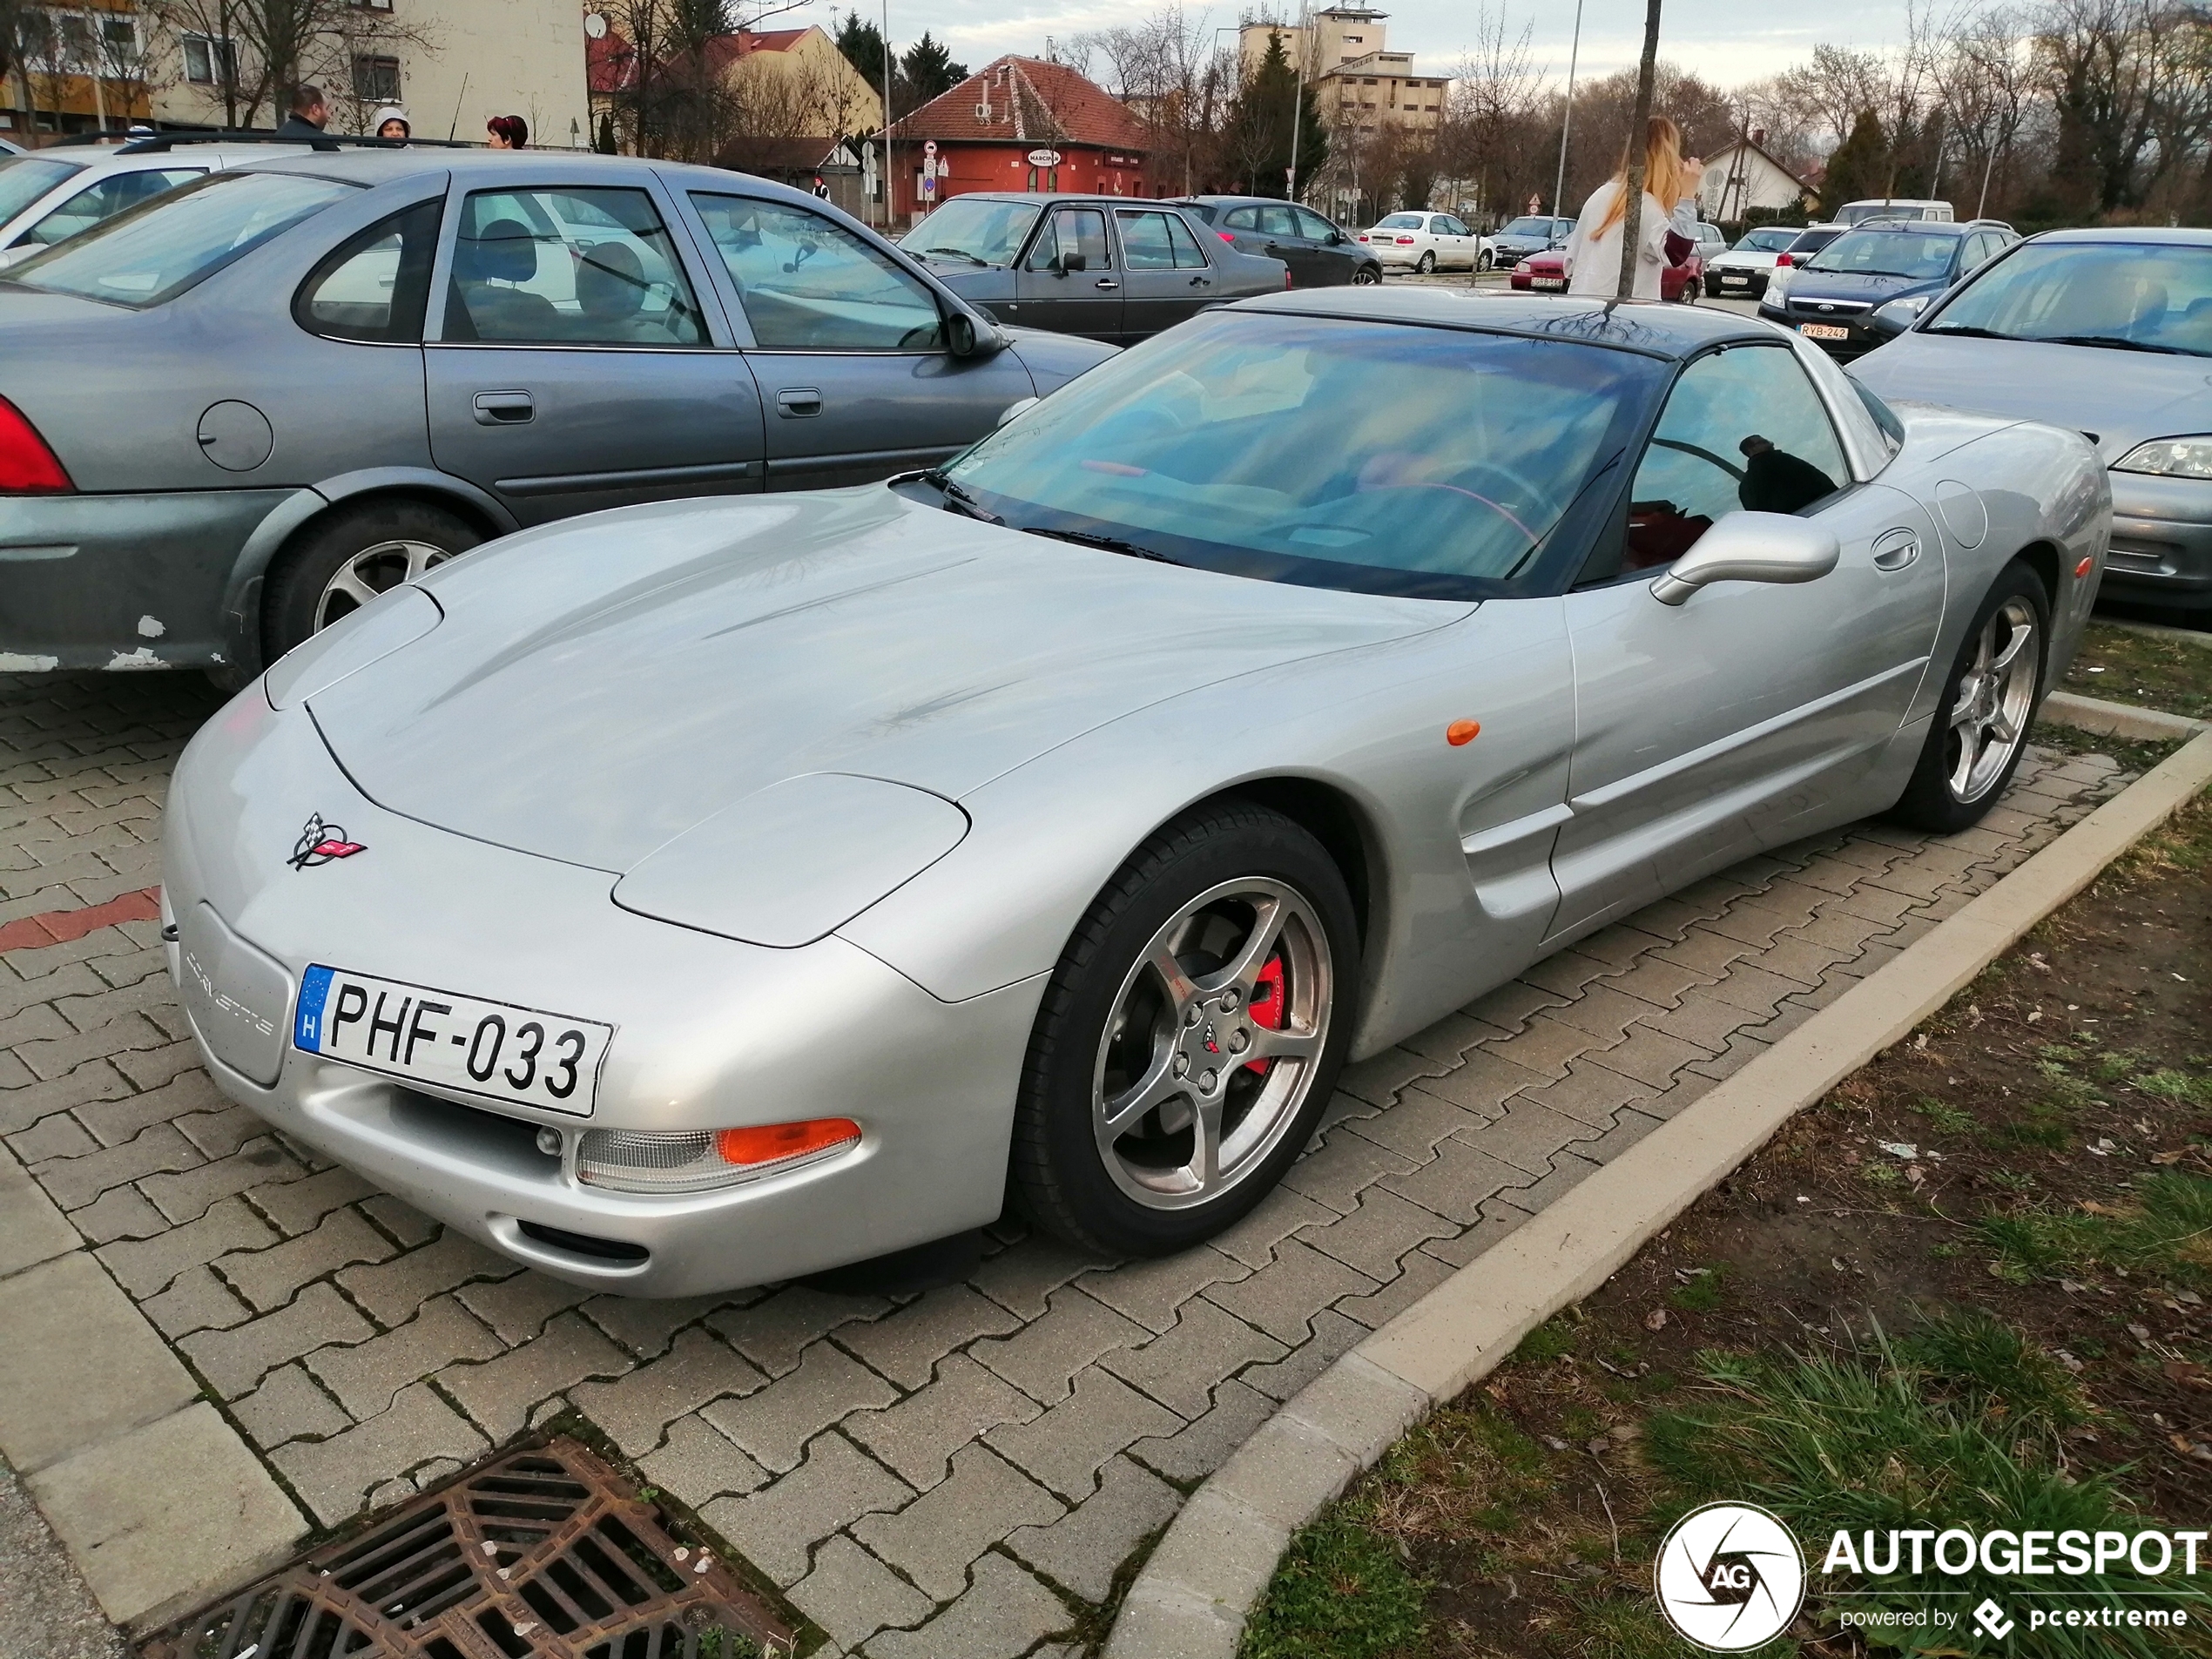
1357,80
1744,177
798,82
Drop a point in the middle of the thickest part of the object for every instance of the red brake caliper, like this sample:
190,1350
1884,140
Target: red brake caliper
1266,1006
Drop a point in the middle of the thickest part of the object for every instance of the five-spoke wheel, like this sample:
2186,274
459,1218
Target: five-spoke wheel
1189,1035
346,560
1979,730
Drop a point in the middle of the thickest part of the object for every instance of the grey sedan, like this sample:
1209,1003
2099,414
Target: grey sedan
234,413
2105,330
717,892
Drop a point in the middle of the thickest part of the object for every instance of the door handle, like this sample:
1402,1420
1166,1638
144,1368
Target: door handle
1106,282
503,408
1201,282
1894,550
797,401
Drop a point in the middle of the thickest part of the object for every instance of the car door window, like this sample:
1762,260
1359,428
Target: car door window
1313,226
1743,428
808,284
1189,256
374,285
586,266
97,203
1145,244
1242,218
1072,230
1451,226
1277,221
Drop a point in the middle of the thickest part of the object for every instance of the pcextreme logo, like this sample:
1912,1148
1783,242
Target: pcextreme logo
1731,1577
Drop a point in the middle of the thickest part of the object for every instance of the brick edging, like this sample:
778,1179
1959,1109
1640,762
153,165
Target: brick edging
2118,719
59,927
1191,1599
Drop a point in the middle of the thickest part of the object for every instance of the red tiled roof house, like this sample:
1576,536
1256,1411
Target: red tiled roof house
986,129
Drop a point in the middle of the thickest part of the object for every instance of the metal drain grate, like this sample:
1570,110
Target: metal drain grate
543,1554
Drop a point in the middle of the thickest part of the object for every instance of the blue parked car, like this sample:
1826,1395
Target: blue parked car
1833,296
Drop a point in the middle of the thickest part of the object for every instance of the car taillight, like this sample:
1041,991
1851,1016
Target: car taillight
1404,241
1286,276
1225,236
27,466
1783,259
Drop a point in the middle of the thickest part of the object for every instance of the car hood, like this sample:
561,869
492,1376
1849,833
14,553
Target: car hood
596,688
1846,285
2124,397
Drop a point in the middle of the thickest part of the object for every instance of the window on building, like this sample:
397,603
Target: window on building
376,80
210,61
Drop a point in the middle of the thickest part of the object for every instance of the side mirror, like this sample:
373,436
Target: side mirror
965,337
1069,262
1751,546
1013,409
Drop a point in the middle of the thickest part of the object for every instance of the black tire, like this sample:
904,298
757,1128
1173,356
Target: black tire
295,603
1366,276
1935,800
1425,266
1485,260
1692,291
1058,1173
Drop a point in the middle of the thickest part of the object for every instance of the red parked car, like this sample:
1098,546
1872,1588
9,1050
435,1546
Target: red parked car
1546,273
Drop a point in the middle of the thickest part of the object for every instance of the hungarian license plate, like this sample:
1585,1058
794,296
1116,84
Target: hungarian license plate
1552,283
525,1056
1735,283
1823,331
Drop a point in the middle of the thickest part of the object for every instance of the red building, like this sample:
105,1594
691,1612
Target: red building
1021,124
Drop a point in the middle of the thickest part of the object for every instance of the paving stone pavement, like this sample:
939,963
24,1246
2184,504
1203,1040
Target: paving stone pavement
958,1474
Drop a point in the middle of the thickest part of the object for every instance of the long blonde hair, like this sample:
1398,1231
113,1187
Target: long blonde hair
1662,172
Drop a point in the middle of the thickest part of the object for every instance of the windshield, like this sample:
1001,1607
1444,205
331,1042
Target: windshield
23,179
2125,294
1766,241
1859,213
1899,254
1528,228
975,229
1375,457
157,250
1399,222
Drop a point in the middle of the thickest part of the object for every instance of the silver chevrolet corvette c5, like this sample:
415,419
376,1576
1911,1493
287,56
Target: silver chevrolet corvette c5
710,893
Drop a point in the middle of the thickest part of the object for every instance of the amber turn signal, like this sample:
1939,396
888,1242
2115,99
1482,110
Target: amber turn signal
774,1141
2082,569
1462,732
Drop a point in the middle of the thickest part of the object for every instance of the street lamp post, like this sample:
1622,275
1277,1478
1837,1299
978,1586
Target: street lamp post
1298,100
889,190
1567,121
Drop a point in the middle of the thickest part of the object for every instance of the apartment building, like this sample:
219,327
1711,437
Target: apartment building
1357,80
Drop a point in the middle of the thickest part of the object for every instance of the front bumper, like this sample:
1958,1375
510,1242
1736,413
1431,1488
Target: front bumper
1860,336
709,1033
121,580
1726,284
2161,542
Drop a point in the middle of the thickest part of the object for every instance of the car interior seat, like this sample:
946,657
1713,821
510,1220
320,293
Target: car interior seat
503,252
610,291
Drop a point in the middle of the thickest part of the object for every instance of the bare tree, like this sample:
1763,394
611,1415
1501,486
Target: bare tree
1488,133
259,49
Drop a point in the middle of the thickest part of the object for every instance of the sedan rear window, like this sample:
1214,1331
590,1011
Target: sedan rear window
23,179
1401,222
161,248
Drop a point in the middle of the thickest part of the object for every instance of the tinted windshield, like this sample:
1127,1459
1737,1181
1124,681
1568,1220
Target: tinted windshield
976,229
1380,458
23,179
2117,293
1859,213
1766,241
157,251
1528,228
1399,222
1902,254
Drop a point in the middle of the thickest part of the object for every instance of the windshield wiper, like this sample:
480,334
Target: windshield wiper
957,500
958,254
1968,331
1105,543
2113,342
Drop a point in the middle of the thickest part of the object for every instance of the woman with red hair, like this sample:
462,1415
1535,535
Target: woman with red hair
507,131
1669,208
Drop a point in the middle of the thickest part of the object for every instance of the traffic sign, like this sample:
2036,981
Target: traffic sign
929,147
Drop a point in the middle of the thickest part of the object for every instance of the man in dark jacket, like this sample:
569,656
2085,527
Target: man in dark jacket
310,113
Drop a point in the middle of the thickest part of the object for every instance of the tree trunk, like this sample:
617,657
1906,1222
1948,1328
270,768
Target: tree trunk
1632,209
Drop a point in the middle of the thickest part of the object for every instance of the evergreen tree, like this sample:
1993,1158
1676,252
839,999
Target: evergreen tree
607,146
1860,167
862,44
929,70
1256,136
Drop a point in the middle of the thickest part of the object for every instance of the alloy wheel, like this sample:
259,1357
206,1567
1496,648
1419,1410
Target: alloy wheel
1365,276
1214,1043
1427,264
1994,699
375,569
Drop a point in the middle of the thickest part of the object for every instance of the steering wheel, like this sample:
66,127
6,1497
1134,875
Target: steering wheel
919,328
1505,513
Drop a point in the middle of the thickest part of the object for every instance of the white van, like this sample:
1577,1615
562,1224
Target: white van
1895,207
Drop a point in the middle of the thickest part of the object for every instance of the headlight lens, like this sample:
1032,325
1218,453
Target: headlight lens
636,1161
1900,313
2169,458
1523,268
1778,284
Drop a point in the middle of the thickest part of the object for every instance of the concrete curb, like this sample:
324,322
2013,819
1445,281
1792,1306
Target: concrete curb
2118,719
2158,630
1191,1599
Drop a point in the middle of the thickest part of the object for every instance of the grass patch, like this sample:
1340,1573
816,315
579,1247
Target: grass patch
2145,670
2168,1231
1947,1119
1701,1292
1341,1590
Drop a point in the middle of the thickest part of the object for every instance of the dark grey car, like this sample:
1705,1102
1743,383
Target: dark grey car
1111,268
232,415
1320,255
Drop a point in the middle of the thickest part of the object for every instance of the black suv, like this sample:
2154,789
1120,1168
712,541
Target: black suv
1320,255
1901,264
1113,267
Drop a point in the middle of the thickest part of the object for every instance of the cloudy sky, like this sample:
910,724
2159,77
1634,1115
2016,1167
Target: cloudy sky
1726,41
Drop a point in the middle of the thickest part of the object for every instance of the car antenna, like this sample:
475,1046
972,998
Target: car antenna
456,127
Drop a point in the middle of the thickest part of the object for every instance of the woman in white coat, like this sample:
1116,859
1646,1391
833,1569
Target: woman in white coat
1669,206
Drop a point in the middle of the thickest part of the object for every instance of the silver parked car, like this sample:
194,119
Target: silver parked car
2106,330
716,891
62,190
233,413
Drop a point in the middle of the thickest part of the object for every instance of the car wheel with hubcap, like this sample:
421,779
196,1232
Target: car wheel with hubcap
1189,1035
1692,291
1485,260
1980,726
1425,266
351,558
1366,276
